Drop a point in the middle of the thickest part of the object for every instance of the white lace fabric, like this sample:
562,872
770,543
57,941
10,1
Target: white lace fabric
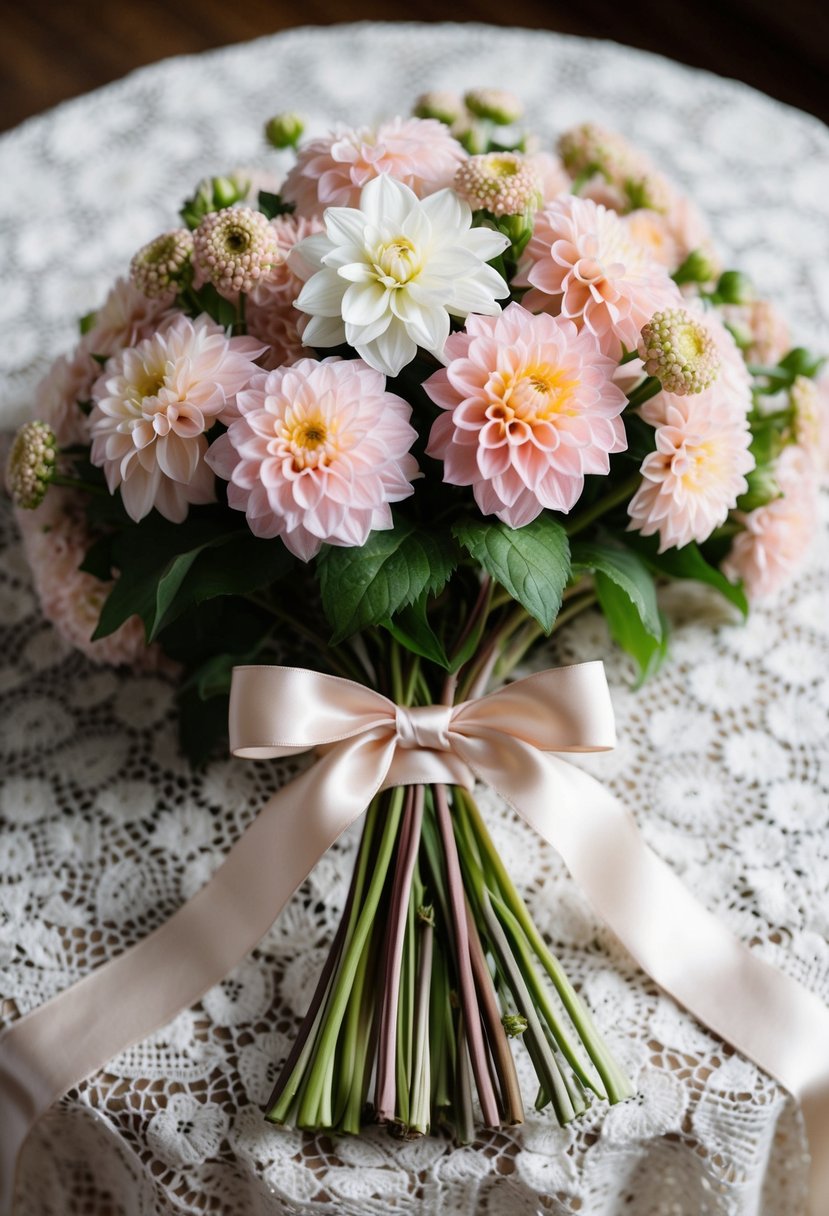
723,757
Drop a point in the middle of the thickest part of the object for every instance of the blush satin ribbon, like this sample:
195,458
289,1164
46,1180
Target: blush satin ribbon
365,744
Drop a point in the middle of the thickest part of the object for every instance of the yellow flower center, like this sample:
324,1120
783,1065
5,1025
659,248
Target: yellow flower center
309,440
534,395
397,262
690,342
501,166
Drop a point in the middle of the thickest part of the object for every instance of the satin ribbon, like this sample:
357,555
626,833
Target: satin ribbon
366,743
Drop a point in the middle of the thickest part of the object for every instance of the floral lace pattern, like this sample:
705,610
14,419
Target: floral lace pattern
722,758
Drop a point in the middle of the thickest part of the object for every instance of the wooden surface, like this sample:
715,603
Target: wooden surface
54,49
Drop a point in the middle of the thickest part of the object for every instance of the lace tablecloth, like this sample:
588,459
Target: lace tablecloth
722,758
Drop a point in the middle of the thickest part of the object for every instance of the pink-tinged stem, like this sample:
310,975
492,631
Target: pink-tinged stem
469,1004
385,1092
498,1044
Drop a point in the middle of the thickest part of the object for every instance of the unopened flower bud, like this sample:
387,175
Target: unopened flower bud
158,266
514,1024
589,148
235,249
734,287
503,183
698,267
213,194
32,464
679,351
494,105
284,130
441,104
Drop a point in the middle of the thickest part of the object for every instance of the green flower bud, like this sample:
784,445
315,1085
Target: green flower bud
441,104
762,488
734,287
284,130
697,268
494,105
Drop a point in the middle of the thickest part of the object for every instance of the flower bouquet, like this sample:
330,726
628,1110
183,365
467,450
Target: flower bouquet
397,418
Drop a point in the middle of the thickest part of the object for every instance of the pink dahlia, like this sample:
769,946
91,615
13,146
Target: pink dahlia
153,405
319,451
57,398
581,263
729,394
531,407
697,473
763,332
55,541
125,318
420,152
270,312
777,536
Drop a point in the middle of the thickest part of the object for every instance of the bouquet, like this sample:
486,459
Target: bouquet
398,417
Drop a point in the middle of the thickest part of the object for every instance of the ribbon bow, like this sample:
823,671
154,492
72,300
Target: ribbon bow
367,743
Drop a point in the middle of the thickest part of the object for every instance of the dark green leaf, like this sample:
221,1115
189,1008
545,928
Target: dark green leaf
411,628
272,204
368,586
532,563
153,558
628,572
627,630
687,562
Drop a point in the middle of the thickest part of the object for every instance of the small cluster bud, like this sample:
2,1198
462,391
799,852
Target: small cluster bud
678,351
158,266
32,464
514,1024
503,183
235,249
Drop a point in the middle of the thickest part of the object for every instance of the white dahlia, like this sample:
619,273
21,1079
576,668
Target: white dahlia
387,276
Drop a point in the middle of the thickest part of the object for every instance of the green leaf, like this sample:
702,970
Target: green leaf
153,558
687,562
272,204
369,585
532,563
237,564
411,628
627,629
627,571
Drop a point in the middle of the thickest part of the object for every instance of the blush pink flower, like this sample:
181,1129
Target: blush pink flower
762,330
153,405
581,263
319,451
125,318
55,541
420,152
68,382
697,473
777,536
531,408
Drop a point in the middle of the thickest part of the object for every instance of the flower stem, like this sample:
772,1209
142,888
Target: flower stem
316,1095
471,1015
409,843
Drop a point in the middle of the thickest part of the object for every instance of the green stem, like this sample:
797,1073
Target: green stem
610,500
616,1083
643,392
314,1097
77,483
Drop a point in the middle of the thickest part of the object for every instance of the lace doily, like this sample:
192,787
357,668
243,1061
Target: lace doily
723,757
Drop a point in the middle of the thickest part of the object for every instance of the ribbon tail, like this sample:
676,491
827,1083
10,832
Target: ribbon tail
74,1034
766,1015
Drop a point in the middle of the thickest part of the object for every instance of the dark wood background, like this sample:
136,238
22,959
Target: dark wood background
54,49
